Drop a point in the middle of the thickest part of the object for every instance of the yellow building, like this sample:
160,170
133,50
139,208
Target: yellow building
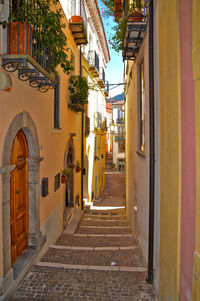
40,136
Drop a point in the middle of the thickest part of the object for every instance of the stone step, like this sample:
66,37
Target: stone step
96,241
107,230
119,258
104,223
104,218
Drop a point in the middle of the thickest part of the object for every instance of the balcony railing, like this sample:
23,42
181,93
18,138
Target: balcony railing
93,60
135,31
25,53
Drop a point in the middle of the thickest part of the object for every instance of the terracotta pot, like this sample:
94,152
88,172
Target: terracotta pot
78,169
76,19
64,180
21,38
136,17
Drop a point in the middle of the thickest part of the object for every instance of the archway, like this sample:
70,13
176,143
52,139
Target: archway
24,123
85,179
69,161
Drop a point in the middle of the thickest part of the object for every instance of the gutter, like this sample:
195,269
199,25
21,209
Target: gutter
152,146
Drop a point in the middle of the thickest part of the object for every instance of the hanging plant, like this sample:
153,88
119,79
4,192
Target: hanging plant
48,29
79,89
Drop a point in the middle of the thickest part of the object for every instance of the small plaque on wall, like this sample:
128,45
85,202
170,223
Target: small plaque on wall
56,181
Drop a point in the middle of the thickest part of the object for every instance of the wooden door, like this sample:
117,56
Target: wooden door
19,196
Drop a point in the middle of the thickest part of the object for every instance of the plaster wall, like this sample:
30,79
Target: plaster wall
188,202
170,150
196,78
137,165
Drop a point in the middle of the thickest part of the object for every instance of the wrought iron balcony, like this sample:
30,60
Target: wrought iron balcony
26,55
135,31
101,80
93,60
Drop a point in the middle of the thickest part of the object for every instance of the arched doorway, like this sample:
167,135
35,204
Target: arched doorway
85,178
19,196
70,184
21,135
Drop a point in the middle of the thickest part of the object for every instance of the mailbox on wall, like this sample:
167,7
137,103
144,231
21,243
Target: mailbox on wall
45,187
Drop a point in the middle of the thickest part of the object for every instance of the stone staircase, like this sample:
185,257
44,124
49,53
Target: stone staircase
100,261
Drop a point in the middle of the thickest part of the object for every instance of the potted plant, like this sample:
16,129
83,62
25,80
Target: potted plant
79,89
66,173
76,19
135,11
78,167
43,27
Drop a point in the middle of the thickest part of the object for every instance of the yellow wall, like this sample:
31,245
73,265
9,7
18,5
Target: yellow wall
196,77
170,152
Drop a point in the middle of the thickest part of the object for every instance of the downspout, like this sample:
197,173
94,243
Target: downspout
152,146
82,124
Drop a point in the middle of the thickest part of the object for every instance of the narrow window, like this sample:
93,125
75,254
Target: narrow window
141,123
57,105
73,7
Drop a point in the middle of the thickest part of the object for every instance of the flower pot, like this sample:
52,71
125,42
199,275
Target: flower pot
19,42
78,169
136,17
64,180
76,19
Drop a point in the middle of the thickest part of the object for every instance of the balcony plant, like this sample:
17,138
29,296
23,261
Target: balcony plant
79,89
78,167
65,174
132,13
47,27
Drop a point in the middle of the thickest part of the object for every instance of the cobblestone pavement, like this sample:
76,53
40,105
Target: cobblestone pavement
101,261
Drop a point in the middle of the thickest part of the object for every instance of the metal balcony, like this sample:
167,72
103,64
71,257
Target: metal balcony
134,35
93,60
101,81
26,55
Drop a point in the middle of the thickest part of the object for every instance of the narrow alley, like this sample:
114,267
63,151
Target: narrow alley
100,261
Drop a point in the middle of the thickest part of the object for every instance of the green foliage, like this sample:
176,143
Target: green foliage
67,172
79,89
48,28
117,38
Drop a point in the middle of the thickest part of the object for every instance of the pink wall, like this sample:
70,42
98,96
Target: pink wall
188,152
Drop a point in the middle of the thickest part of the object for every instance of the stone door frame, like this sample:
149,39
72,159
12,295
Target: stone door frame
24,122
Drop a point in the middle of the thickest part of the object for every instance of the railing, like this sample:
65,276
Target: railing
24,39
102,74
93,59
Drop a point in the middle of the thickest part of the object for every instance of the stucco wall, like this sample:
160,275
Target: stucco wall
170,152
137,165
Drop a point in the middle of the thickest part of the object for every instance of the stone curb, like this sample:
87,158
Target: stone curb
91,267
60,247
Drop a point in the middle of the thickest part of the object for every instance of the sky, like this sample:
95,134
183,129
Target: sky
115,68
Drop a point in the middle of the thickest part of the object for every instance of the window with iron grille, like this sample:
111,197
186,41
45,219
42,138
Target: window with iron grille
57,105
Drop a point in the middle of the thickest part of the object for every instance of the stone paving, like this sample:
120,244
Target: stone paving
101,261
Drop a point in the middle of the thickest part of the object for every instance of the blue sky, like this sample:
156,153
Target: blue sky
115,68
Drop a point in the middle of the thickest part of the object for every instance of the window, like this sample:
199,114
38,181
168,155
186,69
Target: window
57,105
141,109
73,7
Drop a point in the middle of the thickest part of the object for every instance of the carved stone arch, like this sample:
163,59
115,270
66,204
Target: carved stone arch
24,122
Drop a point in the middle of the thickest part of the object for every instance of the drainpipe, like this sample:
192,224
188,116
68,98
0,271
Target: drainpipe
152,146
82,124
